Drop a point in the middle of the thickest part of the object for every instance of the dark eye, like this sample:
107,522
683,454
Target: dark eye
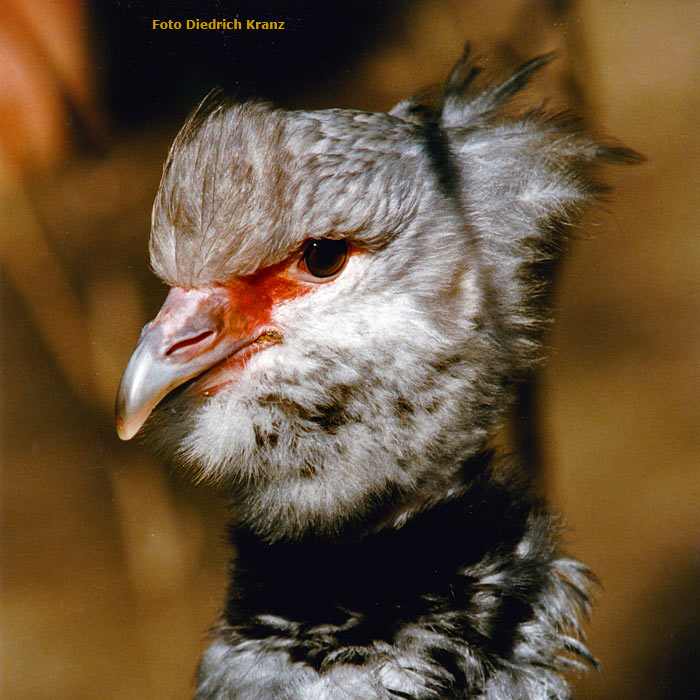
325,257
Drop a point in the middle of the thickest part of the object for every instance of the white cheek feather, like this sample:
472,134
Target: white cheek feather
221,432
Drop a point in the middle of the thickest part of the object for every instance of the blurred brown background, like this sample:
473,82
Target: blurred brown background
112,565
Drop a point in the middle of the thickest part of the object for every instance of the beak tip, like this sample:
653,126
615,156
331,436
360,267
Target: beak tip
128,418
136,396
125,428
124,433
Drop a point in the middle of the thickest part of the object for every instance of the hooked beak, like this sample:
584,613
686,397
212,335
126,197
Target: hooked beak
194,330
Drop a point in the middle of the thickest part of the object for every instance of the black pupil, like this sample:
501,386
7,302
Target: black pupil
325,257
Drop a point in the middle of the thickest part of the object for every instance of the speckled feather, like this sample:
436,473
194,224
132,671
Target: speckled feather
381,553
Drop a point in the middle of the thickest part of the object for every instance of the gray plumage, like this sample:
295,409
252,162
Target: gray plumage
366,423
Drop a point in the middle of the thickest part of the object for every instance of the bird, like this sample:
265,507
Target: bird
354,298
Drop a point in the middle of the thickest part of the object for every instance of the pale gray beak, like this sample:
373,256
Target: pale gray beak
194,330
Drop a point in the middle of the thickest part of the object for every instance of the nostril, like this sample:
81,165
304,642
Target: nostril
188,342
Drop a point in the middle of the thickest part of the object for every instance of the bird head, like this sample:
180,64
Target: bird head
352,296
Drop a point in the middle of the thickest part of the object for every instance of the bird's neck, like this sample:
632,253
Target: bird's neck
469,587
414,552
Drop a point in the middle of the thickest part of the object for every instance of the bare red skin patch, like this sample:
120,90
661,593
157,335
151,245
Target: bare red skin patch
253,297
246,314
250,301
205,335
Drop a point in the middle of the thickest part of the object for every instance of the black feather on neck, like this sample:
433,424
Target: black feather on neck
451,586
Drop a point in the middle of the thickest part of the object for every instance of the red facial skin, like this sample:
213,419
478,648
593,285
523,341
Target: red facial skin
254,296
207,334
248,309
